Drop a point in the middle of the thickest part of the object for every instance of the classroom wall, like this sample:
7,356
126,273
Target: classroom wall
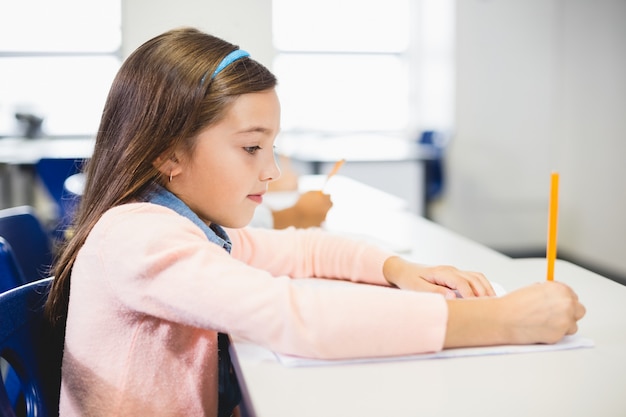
541,85
247,23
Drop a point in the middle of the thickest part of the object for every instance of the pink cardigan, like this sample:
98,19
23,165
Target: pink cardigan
149,294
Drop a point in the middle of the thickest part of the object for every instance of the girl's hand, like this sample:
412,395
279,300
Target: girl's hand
542,313
446,280
539,313
312,207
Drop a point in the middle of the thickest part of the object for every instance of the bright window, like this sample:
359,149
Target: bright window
364,65
57,61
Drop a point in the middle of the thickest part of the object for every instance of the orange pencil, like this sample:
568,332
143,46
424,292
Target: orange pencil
333,171
553,216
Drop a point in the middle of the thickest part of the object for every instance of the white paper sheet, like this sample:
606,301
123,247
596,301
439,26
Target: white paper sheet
568,342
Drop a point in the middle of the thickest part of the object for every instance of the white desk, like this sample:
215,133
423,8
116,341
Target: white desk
582,382
22,151
393,163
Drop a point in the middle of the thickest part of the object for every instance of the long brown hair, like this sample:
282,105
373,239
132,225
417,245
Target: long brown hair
159,101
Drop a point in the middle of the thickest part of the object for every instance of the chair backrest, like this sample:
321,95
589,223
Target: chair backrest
53,172
30,354
434,175
31,243
11,275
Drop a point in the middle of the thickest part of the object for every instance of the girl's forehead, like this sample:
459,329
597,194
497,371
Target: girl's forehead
254,111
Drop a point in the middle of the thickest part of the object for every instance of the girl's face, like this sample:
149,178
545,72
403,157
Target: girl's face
224,179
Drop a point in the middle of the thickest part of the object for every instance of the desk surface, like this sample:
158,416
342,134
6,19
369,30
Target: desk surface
581,382
22,151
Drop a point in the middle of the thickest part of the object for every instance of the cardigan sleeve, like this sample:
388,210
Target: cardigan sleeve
309,253
157,263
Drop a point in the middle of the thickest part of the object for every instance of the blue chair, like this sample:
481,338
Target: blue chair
11,275
53,173
31,242
30,354
434,174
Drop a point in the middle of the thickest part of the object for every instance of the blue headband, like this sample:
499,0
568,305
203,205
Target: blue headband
228,59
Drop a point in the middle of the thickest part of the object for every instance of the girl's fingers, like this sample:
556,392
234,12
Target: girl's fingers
480,285
468,284
573,329
443,279
445,291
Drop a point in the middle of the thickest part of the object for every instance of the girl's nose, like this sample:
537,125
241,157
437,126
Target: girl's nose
272,172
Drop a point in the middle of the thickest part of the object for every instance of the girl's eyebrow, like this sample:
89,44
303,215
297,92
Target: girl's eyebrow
255,129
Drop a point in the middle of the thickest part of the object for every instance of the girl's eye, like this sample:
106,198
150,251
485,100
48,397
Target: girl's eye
251,149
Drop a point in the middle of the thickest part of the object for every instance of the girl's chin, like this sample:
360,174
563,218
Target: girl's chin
238,223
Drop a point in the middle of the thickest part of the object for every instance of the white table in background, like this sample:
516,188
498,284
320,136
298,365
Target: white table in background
393,163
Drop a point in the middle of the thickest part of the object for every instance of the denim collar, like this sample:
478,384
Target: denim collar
215,233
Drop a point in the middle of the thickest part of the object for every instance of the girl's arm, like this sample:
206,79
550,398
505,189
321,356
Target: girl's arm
316,253
540,313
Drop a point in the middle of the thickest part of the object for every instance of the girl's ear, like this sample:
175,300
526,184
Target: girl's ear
168,164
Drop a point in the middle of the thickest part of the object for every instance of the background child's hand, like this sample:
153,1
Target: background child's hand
311,208
446,280
309,211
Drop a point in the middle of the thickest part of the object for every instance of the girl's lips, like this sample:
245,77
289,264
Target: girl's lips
257,198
